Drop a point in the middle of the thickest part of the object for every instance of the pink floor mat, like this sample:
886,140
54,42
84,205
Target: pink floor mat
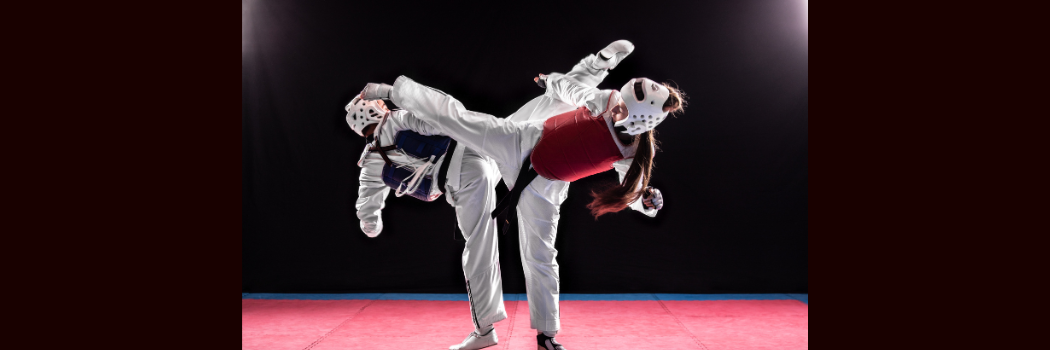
586,325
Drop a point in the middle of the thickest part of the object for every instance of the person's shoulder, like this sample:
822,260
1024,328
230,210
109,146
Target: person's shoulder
603,100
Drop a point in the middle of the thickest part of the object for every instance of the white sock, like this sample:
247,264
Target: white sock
548,333
377,90
484,330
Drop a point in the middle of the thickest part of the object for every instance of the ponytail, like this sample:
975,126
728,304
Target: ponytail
615,198
612,199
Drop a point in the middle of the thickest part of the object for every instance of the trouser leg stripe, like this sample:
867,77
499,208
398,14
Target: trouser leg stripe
473,314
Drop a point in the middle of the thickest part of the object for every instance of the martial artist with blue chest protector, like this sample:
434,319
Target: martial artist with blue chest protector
408,156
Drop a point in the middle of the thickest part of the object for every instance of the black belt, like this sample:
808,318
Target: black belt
525,177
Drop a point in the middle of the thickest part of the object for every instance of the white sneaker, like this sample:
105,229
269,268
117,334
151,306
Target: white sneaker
475,341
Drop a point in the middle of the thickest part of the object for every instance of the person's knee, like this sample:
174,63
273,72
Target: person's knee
541,263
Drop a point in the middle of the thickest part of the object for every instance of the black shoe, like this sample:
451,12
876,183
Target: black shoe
547,343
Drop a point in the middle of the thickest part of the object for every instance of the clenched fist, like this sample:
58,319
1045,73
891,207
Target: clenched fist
653,198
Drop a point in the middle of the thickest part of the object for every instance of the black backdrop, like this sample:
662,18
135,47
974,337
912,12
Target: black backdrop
733,167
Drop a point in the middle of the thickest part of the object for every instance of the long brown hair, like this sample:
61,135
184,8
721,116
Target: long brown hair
611,199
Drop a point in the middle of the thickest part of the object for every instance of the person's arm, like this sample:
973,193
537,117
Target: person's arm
621,167
371,195
568,90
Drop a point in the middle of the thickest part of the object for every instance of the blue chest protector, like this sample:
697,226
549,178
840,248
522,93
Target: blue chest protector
422,147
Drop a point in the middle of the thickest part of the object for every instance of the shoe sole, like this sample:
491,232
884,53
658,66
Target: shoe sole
541,347
488,346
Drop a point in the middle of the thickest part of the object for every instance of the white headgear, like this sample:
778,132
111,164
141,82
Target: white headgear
645,105
361,113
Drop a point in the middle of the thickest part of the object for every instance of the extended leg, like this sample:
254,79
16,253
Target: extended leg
506,142
474,199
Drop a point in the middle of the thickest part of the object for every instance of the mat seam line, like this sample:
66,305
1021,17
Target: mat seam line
308,347
510,331
697,340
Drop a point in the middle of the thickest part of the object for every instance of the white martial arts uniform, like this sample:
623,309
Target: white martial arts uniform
470,189
508,141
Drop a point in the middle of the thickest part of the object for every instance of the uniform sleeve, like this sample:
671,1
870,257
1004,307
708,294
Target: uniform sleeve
571,91
621,167
371,196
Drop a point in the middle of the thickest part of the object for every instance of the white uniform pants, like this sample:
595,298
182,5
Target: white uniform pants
473,198
508,143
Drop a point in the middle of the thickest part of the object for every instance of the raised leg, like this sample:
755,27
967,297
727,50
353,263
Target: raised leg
506,142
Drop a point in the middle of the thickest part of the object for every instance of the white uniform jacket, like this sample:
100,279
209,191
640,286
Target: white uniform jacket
371,195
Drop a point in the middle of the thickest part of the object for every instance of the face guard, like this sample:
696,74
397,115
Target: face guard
645,105
361,113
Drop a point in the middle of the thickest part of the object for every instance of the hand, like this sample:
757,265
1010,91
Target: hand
372,229
653,198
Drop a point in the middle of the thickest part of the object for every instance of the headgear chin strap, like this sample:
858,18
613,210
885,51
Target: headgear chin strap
645,105
361,113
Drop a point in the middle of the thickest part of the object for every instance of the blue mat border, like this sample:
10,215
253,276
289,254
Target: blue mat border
519,297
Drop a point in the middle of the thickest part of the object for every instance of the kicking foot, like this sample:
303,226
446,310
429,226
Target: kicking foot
373,91
547,343
611,55
476,341
541,80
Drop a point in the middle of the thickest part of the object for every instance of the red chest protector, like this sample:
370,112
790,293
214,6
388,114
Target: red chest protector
574,145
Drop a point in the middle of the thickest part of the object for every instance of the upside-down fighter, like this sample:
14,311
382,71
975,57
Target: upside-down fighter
408,155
